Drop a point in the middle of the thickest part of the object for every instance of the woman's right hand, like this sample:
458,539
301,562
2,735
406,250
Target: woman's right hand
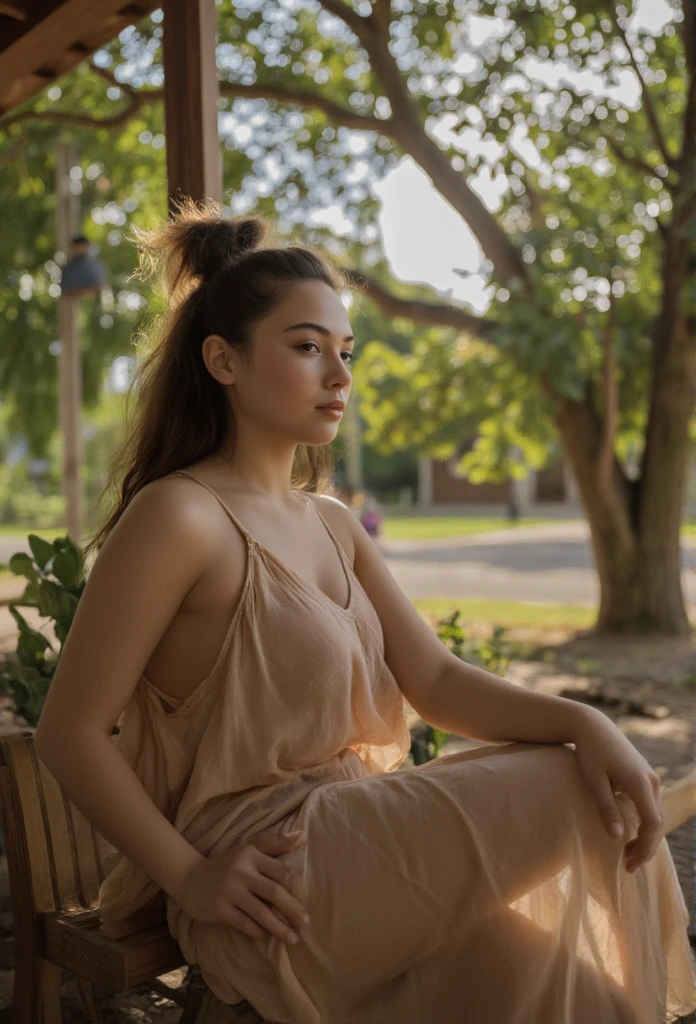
235,888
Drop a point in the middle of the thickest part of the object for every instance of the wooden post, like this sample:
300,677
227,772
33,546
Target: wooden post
69,367
194,161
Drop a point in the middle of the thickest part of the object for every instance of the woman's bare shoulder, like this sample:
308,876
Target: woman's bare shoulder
166,515
339,517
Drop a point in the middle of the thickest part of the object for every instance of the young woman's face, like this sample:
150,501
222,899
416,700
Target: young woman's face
299,360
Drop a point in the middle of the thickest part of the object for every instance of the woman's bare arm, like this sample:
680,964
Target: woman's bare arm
444,690
151,559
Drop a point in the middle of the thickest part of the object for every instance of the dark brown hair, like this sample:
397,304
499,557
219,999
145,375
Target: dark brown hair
219,279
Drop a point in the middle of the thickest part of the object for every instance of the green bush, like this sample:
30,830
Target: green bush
55,581
44,511
491,654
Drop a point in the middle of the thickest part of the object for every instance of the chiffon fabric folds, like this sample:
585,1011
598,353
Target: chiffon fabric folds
479,888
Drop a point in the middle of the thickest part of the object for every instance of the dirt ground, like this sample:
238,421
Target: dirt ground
647,686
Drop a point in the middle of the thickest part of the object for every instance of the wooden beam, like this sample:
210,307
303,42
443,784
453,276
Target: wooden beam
32,53
194,162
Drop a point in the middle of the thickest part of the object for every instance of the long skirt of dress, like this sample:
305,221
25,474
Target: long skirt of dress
479,888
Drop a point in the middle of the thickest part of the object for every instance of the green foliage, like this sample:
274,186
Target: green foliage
547,104
491,653
55,581
433,399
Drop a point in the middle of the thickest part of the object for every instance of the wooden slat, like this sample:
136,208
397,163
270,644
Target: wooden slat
49,994
60,842
21,777
679,802
87,864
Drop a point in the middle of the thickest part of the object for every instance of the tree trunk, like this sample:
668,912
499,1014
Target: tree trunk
635,525
667,446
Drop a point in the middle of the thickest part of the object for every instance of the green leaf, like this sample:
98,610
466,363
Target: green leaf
66,567
41,549
21,565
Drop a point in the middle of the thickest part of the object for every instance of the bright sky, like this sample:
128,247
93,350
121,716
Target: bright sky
424,239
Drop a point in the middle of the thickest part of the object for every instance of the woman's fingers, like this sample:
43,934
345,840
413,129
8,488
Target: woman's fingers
608,808
275,893
645,794
263,915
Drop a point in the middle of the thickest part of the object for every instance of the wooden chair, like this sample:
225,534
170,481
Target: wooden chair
56,863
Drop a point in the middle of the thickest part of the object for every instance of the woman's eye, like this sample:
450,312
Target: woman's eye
305,344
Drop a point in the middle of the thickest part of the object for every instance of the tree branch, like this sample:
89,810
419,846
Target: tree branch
438,314
300,97
111,80
312,101
342,10
410,133
381,19
65,117
648,106
605,457
689,37
689,131
630,161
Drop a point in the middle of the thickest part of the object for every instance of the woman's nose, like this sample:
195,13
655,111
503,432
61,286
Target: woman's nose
343,374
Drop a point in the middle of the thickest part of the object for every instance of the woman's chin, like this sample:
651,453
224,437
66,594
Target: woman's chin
323,435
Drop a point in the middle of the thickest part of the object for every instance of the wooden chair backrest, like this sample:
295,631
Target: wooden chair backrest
56,860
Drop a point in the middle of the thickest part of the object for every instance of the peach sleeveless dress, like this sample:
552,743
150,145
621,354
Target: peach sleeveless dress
479,888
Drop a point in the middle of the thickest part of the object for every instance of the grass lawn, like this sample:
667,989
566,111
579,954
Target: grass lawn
509,613
429,527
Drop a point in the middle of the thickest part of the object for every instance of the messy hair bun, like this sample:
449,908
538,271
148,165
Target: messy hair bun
197,244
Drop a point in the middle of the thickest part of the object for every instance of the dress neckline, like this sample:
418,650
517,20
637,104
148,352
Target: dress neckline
348,571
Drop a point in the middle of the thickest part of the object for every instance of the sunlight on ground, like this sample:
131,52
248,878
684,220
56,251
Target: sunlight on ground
509,613
429,527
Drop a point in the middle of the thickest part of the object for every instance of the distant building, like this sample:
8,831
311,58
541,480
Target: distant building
549,490
441,487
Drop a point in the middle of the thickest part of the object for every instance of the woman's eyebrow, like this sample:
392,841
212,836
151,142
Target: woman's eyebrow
316,327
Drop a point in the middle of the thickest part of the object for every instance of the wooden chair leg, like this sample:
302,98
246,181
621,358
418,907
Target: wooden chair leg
36,997
88,997
195,990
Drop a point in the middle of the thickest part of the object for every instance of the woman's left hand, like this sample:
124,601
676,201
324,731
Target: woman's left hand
610,763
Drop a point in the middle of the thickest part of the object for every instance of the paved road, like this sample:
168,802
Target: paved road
534,563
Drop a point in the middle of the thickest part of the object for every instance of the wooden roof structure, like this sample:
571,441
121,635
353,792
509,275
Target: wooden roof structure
42,39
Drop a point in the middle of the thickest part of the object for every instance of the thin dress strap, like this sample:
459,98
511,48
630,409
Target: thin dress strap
215,494
337,544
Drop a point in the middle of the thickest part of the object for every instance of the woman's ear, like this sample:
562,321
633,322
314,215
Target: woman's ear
217,356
